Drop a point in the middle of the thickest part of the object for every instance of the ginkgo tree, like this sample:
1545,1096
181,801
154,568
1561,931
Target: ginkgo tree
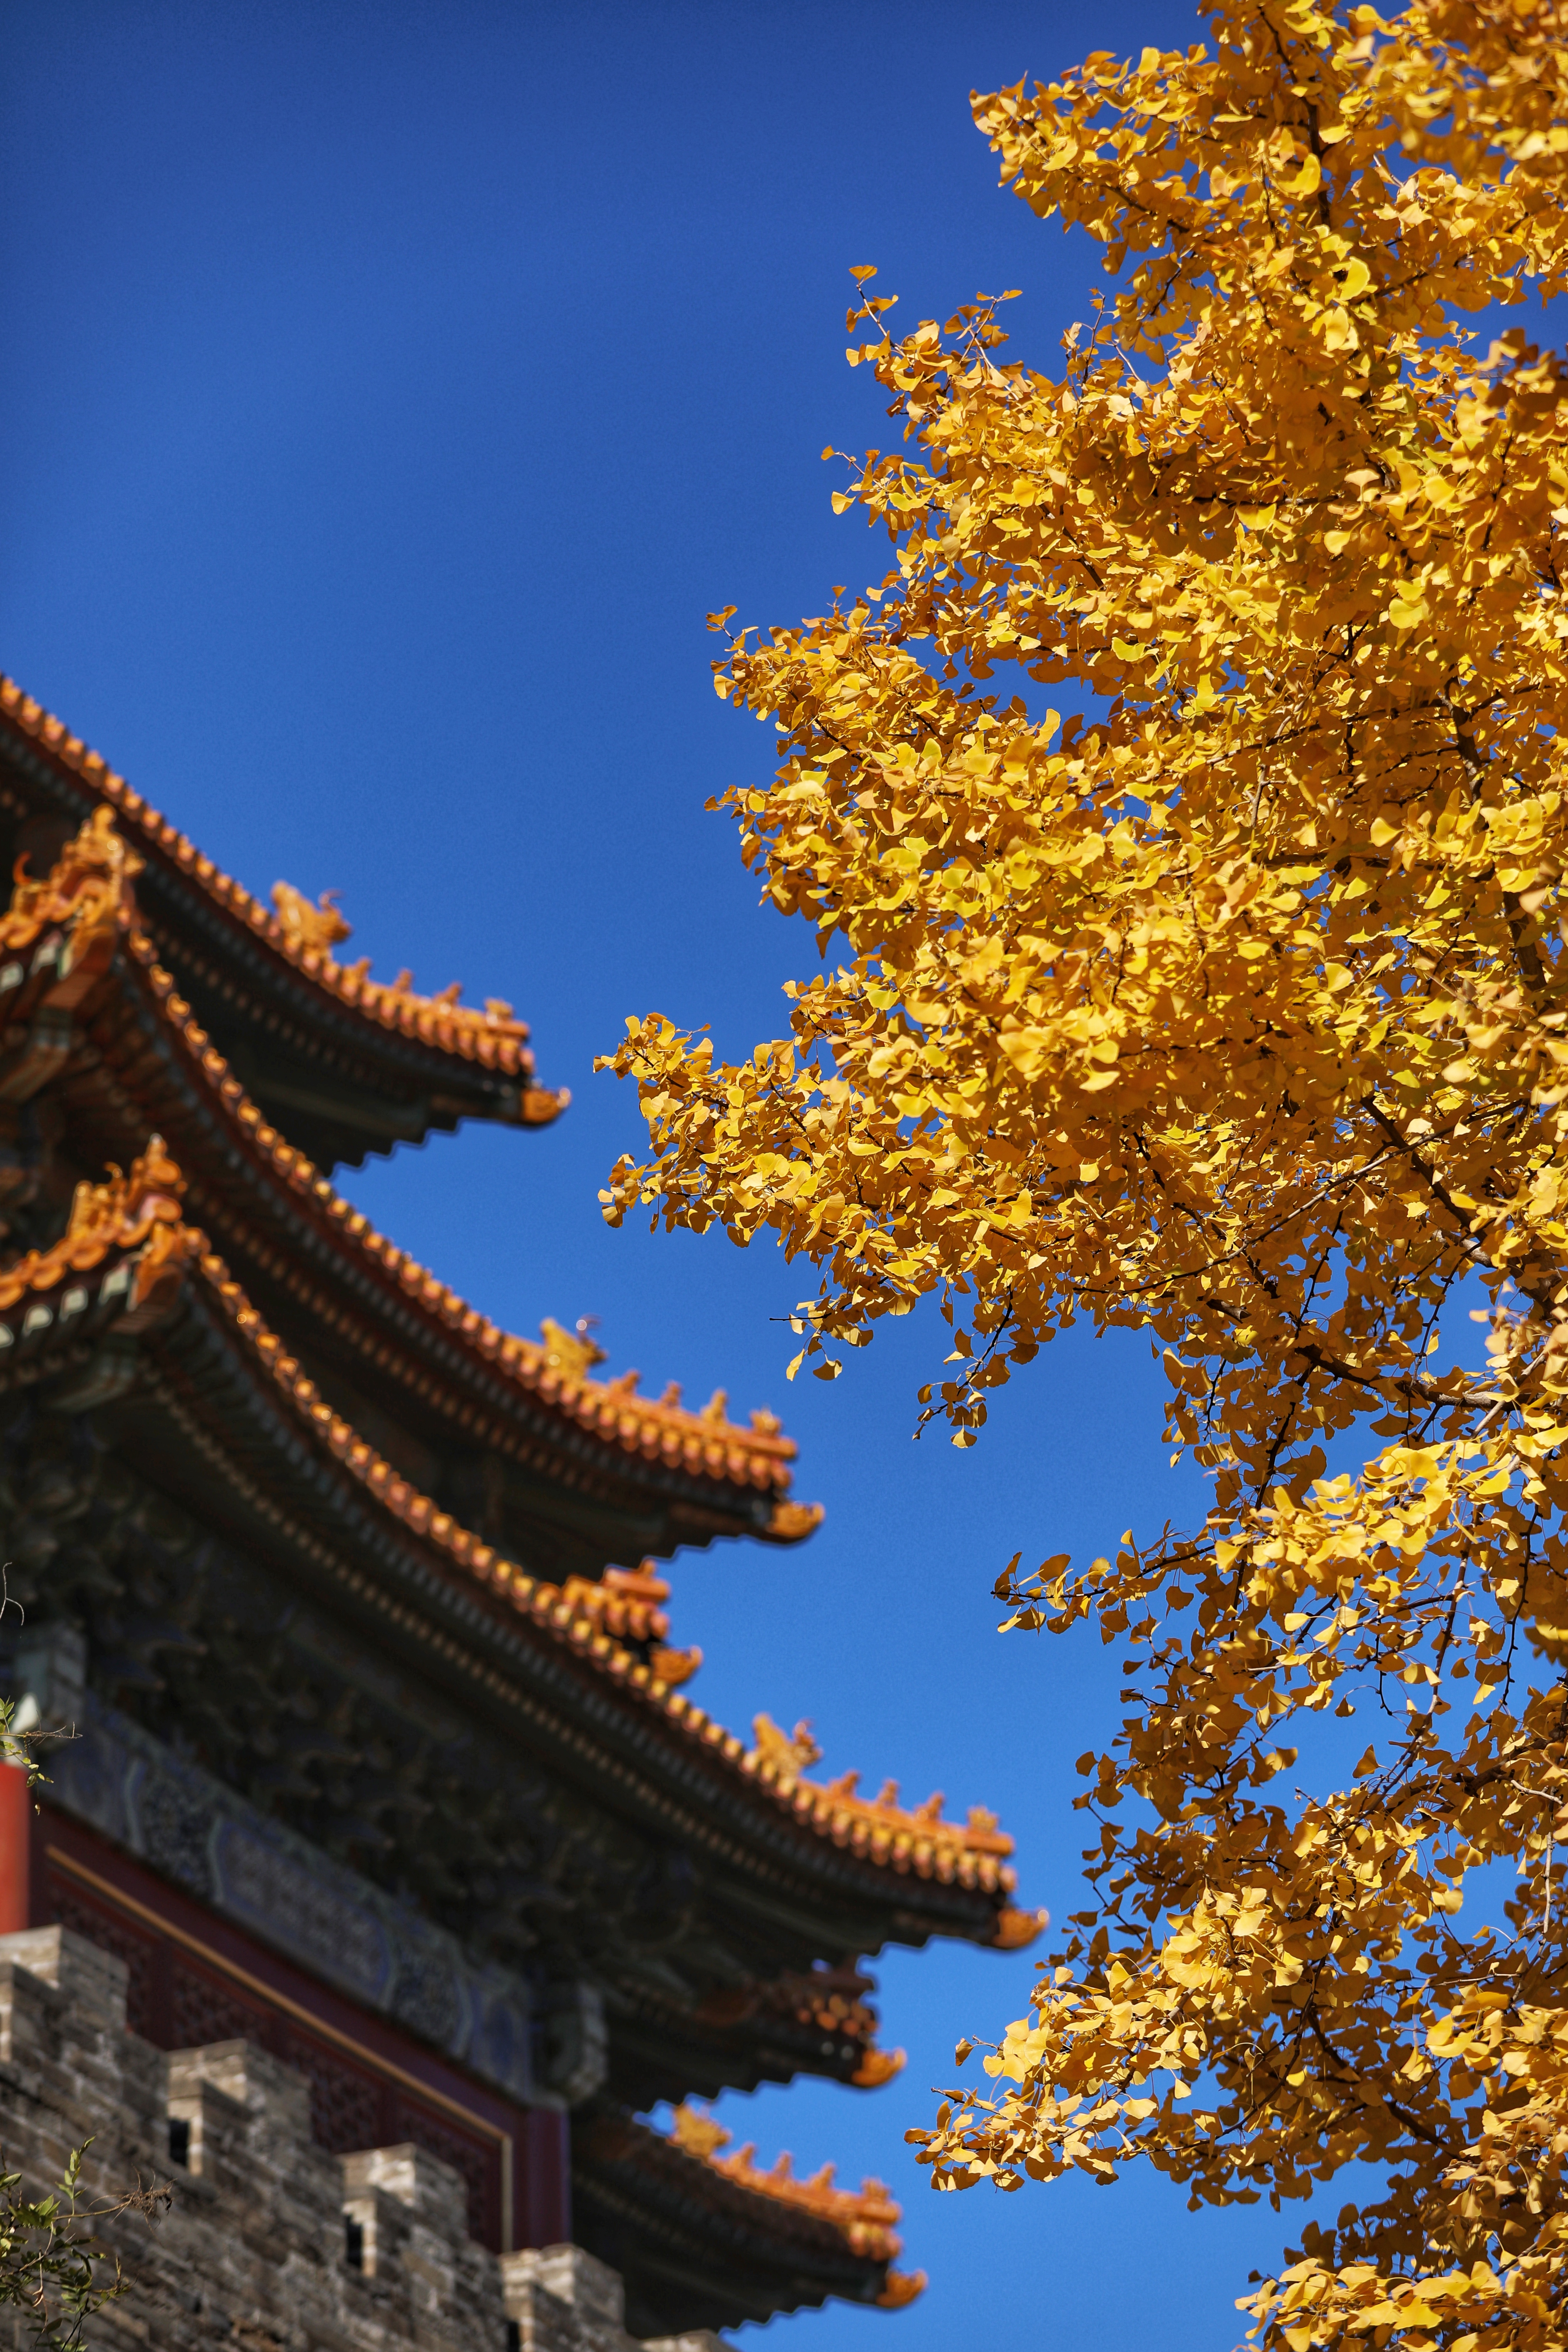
1233,1010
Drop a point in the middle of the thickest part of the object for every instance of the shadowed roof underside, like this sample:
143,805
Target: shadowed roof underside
343,1064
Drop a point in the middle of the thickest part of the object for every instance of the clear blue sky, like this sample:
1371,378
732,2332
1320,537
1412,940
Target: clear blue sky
389,393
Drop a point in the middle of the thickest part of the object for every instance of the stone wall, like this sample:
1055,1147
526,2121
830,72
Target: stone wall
270,2245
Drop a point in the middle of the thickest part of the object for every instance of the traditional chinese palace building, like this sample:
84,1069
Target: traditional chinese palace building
386,1766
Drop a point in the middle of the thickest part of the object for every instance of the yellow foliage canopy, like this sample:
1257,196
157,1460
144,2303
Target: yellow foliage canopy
1238,1015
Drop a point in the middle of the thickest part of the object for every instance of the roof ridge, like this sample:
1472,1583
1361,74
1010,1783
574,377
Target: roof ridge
606,1406
866,2216
491,1035
552,1607
887,1831
88,894
880,1824
142,1211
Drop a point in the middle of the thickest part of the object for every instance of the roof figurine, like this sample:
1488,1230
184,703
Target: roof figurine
880,1825
306,929
867,2217
361,1604
576,1352
87,885
412,1063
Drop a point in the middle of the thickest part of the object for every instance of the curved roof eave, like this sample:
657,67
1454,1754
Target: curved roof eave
483,1051
125,1267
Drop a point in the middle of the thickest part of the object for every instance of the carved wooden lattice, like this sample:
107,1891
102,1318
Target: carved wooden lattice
345,2104
201,2010
138,1952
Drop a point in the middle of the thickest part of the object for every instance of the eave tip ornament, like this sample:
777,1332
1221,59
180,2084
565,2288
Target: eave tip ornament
866,2216
878,2066
1016,1931
793,1522
537,1106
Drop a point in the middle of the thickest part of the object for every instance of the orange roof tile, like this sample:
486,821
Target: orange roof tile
141,1210
707,1444
138,1216
626,1603
879,1827
865,2217
89,896
943,1851
489,1035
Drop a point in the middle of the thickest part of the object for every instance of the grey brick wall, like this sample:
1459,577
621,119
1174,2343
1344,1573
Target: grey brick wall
254,2254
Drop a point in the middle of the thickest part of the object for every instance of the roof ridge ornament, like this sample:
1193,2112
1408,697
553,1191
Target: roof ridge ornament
889,1825
789,1754
573,1353
866,2216
304,925
136,1211
87,886
125,1203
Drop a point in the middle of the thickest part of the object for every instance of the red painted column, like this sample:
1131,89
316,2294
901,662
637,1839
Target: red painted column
544,2180
15,1850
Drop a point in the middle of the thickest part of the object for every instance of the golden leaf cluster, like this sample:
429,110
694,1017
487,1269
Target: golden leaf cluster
1233,1010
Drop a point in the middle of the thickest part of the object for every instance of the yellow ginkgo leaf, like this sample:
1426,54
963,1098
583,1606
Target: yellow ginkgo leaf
1307,180
1226,1017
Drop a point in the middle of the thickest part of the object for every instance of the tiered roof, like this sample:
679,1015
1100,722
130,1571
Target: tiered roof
394,1324
553,1371
721,2239
128,1261
291,1378
326,1030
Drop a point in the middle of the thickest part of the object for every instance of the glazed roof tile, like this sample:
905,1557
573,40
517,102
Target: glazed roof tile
865,2217
707,1444
879,1827
136,1217
489,1035
943,1851
704,1443
89,896
628,1603
136,1211
761,2240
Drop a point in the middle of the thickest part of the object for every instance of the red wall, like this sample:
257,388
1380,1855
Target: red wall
194,1979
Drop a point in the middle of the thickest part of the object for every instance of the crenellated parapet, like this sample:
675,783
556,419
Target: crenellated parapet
267,2239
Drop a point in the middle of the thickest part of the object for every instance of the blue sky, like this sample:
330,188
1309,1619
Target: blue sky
390,393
